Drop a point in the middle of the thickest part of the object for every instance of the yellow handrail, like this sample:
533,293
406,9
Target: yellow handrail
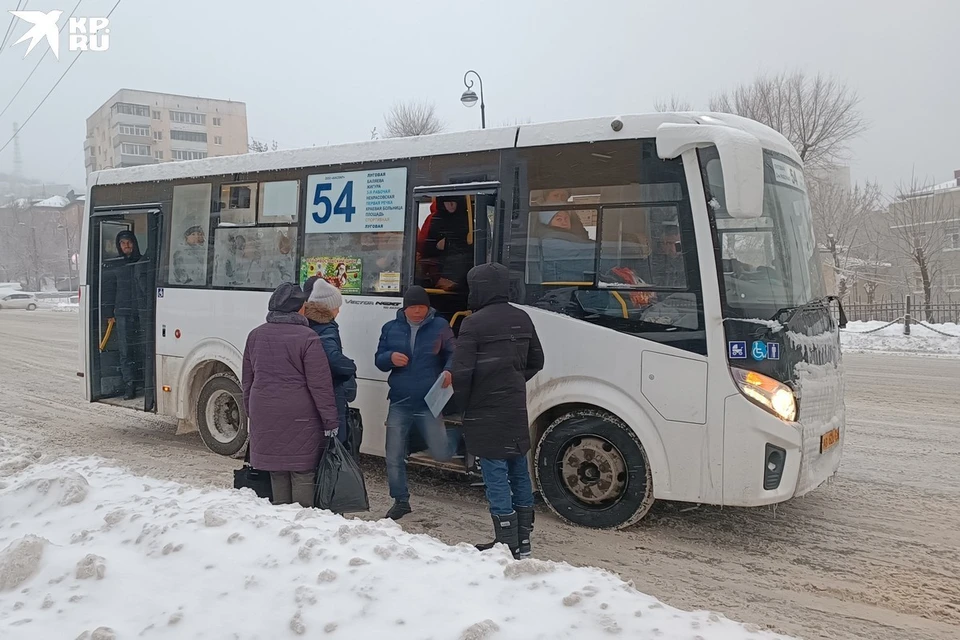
469,220
623,303
106,334
453,319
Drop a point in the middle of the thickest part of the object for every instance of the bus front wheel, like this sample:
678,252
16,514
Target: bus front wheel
593,470
221,420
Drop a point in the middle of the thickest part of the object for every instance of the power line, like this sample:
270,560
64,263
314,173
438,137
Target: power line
62,76
45,52
6,35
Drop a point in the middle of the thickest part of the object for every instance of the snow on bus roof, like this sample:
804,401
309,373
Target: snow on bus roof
532,135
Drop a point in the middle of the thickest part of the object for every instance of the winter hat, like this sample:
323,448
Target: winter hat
325,294
547,216
416,295
288,298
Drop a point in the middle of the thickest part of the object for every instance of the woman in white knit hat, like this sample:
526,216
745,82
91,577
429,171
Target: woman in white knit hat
321,309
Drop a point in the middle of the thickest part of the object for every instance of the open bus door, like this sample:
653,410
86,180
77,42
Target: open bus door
123,337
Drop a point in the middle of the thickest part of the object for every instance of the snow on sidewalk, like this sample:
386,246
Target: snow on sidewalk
91,551
891,339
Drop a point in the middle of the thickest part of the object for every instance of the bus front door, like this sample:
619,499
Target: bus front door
125,248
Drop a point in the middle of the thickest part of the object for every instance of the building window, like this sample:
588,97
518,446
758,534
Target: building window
187,117
178,154
134,130
188,136
217,122
189,226
158,135
158,155
953,238
952,281
128,149
218,140
156,115
132,109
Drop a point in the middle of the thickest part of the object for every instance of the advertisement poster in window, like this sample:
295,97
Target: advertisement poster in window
388,282
344,273
357,201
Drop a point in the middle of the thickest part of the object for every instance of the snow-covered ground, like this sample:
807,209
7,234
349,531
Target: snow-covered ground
92,551
891,339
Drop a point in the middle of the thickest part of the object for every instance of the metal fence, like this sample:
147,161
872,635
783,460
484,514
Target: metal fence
890,311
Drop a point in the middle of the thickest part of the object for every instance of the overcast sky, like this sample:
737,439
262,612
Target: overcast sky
324,72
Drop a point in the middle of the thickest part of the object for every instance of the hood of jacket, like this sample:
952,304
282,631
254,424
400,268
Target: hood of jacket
128,235
488,284
317,313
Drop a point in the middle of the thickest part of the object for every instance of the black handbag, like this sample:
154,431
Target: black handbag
250,478
340,485
354,432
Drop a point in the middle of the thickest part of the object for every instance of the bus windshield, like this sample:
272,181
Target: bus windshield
770,262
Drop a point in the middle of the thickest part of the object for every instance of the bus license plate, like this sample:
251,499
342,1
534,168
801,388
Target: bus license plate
829,439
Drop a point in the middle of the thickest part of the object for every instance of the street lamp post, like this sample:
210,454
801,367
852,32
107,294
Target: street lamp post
469,97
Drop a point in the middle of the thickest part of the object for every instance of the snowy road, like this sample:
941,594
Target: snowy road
875,554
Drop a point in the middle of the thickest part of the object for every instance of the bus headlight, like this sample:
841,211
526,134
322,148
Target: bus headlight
774,396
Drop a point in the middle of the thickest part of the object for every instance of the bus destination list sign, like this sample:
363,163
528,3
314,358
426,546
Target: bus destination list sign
356,201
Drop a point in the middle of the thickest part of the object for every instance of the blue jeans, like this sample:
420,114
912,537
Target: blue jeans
507,483
402,417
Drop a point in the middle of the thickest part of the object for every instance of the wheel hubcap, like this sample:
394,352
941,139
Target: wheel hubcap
223,416
593,470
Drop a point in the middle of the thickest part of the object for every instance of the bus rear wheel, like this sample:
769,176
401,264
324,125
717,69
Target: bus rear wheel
593,471
221,419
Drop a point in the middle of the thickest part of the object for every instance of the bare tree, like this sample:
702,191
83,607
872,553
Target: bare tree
412,119
918,216
675,103
819,115
838,216
258,146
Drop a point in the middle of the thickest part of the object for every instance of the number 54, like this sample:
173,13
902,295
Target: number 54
344,206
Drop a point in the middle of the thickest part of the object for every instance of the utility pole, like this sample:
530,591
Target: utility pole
36,258
17,157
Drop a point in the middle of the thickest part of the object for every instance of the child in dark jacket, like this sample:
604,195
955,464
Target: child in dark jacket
321,309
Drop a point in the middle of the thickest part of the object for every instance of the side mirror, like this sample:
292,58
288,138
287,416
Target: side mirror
740,154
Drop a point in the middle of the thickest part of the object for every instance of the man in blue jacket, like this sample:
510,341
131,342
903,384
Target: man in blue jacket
416,348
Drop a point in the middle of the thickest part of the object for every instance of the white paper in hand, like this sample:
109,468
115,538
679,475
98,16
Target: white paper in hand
438,397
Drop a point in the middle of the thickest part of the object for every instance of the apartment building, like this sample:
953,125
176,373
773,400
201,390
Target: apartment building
134,128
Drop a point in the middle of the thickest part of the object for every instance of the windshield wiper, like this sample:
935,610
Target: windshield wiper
824,300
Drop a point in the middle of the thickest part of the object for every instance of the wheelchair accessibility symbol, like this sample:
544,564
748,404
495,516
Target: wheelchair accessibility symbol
759,350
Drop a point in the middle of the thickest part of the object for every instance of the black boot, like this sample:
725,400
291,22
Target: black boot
398,510
131,392
505,532
525,518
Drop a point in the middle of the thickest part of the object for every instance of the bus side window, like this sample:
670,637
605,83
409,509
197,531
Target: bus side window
189,225
255,241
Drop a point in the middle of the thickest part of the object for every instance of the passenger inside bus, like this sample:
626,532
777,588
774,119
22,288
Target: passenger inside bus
446,251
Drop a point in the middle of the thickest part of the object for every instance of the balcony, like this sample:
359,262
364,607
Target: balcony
127,160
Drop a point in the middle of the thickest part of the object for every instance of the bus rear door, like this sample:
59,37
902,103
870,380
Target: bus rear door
122,309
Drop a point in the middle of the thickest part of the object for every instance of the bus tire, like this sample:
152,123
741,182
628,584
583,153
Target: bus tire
221,419
593,471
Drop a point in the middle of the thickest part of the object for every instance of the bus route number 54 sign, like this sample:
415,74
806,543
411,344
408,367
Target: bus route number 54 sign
357,201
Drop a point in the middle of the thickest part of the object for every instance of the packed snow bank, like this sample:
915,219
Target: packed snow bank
891,339
91,551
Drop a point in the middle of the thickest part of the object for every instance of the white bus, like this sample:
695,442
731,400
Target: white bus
668,262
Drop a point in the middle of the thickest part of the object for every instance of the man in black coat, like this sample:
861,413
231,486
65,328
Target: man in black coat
498,351
122,294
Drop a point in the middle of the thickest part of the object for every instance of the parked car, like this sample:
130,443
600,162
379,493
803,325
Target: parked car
18,300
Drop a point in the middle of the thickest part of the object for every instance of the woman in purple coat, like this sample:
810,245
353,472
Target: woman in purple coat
288,395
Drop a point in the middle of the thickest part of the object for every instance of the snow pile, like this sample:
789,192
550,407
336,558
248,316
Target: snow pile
90,551
892,340
67,306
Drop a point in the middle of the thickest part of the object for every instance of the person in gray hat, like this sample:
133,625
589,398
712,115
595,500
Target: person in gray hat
416,349
321,309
